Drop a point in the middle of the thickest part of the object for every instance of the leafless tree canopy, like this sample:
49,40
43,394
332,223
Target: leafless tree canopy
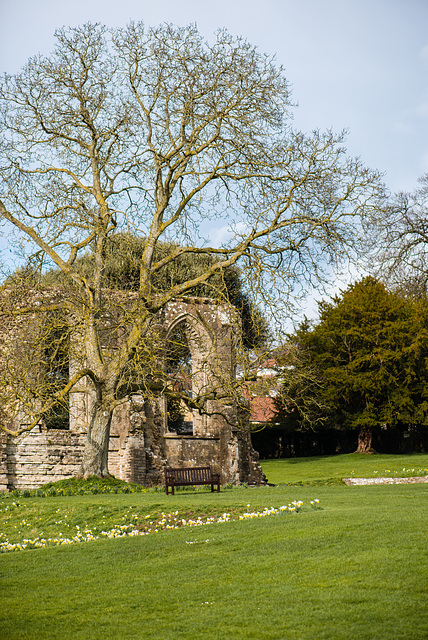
398,240
154,131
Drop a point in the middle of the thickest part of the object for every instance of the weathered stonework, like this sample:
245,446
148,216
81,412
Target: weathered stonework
140,442
38,457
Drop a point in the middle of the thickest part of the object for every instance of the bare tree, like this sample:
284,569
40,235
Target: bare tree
153,131
398,241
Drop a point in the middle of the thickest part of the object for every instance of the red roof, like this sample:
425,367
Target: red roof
262,409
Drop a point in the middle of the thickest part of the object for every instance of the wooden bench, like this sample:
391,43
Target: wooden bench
190,476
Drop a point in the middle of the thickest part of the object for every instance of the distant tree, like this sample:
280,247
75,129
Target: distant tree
398,241
154,131
368,358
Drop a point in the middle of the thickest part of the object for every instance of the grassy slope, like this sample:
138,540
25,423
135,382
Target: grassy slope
354,569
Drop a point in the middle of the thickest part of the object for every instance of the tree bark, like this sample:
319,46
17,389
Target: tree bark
95,454
365,438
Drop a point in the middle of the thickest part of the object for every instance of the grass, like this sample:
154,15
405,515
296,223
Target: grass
332,469
355,567
73,486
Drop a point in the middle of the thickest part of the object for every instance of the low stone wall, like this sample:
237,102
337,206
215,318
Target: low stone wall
366,481
38,457
3,463
41,456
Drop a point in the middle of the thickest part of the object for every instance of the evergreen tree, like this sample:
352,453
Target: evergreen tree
369,350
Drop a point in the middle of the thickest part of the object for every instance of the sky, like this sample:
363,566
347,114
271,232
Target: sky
360,65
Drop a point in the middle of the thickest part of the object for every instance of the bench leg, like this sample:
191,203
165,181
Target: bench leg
167,488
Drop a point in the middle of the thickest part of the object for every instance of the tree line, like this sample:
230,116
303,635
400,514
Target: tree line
361,369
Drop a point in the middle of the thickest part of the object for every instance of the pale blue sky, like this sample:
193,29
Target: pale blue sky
356,64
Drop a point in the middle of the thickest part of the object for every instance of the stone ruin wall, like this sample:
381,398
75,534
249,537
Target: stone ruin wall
140,444
41,456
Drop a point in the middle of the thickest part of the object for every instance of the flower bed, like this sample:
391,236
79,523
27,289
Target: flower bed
146,526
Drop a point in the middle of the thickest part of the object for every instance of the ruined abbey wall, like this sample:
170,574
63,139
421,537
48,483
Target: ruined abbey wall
141,443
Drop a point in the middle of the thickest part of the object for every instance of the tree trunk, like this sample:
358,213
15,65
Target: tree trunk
95,454
365,438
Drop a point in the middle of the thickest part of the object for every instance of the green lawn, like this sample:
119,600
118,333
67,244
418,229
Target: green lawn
354,568
334,468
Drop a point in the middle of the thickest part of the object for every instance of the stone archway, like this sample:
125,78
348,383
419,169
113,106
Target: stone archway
192,350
